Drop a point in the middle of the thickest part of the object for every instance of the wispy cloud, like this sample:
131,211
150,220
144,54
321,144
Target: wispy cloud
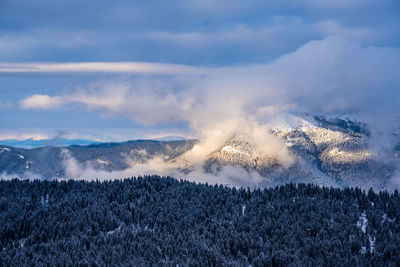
106,67
41,102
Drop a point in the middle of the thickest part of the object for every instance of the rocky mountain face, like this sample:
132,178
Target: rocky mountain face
325,151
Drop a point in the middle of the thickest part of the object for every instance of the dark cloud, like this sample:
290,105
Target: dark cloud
189,32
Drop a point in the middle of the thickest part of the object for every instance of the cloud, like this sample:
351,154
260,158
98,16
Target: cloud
217,33
227,175
93,134
41,102
334,75
334,28
337,75
280,31
106,67
322,57
314,72
19,135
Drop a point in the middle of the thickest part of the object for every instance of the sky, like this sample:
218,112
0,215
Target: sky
121,70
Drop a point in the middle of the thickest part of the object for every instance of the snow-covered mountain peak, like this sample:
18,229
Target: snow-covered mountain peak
325,150
290,121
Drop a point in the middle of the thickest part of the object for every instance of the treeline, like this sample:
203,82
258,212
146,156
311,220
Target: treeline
162,221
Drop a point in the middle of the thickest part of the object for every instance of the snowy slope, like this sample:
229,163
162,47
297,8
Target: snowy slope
331,151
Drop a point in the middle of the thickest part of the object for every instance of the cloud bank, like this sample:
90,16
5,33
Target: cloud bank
333,75
207,32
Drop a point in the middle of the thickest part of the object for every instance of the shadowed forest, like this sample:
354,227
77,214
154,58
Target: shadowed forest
156,220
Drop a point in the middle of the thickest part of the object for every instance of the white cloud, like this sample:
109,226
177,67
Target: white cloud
331,75
22,136
41,102
106,67
228,175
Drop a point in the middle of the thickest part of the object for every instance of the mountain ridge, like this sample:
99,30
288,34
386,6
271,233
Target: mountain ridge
325,151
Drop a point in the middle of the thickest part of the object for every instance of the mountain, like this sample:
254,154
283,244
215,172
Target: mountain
48,162
32,143
330,151
170,138
340,148
327,151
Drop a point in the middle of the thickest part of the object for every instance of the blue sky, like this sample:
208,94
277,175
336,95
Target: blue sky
215,61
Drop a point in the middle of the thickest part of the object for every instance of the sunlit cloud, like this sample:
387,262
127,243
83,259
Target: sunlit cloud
107,67
41,102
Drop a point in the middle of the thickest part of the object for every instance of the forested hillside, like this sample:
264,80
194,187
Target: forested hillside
162,221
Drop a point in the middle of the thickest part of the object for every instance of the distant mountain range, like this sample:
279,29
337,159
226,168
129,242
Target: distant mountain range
48,162
326,151
34,143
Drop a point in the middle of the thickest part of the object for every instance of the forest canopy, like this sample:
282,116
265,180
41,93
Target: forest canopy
163,221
